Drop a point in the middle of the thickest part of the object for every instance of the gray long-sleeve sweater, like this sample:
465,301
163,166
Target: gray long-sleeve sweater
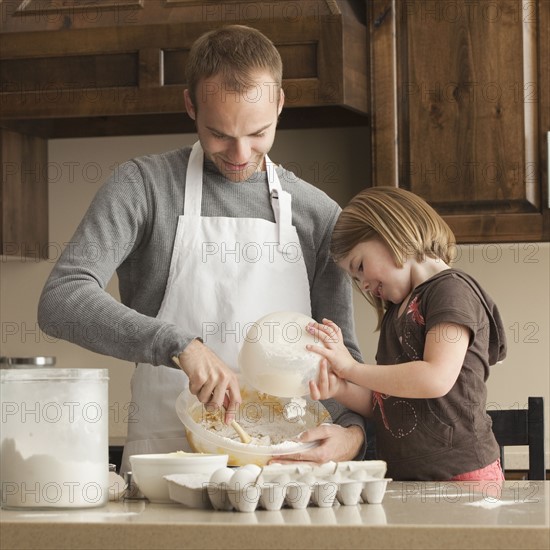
130,227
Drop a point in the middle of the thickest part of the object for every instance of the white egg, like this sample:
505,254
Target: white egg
116,486
254,468
222,475
240,478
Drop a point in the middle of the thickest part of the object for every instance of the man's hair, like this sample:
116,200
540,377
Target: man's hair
235,52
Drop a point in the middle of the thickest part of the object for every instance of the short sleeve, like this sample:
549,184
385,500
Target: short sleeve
451,299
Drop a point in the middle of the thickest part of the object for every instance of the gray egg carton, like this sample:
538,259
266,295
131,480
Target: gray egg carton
294,486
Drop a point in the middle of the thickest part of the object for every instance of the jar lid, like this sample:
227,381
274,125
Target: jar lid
40,361
50,374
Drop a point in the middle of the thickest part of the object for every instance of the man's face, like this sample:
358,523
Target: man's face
236,131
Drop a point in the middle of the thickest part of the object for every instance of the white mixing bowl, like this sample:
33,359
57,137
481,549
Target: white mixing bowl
274,359
149,470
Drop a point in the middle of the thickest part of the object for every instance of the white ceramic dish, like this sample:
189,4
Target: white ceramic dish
203,440
148,470
191,490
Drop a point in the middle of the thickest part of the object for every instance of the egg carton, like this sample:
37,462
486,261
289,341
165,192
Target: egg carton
250,487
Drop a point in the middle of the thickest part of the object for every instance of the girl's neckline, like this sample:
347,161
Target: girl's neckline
404,305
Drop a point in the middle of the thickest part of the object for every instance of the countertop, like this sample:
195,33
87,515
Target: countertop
412,515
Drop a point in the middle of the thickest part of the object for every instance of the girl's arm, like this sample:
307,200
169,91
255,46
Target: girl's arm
431,377
352,396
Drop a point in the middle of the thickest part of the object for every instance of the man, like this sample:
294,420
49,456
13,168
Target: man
213,238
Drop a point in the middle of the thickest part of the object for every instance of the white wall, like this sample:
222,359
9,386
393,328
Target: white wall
517,276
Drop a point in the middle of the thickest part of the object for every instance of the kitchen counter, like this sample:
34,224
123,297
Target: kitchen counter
412,515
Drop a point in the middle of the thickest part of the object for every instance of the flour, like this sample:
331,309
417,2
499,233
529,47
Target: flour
54,438
43,481
490,503
295,408
264,434
265,420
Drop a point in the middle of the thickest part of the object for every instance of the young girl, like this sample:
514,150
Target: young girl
439,333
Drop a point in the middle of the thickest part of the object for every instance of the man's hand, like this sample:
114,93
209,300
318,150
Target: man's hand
210,379
336,443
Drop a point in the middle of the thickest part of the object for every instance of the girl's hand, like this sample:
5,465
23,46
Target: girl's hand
328,385
333,349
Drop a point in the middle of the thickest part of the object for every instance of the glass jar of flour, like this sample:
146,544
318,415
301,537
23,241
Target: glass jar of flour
54,439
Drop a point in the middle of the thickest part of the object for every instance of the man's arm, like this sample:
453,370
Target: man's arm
74,304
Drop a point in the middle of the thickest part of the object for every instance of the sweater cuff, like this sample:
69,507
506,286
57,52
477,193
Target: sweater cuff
169,343
346,418
347,422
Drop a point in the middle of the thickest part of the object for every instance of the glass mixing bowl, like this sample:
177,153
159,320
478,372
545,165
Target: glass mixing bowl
260,415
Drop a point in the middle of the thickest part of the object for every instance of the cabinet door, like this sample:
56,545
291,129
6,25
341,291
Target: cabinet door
23,196
461,112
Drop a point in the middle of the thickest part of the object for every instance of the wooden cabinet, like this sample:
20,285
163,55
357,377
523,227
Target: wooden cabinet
116,67
456,91
460,111
77,68
23,196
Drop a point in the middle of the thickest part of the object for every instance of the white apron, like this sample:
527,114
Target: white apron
225,274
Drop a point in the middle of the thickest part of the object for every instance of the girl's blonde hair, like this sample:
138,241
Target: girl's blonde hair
405,222
235,52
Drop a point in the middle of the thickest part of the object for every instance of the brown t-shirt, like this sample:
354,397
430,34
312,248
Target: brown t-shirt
436,439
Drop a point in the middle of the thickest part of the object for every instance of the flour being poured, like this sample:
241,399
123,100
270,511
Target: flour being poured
295,408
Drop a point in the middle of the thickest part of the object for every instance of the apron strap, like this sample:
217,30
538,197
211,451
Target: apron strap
281,202
193,182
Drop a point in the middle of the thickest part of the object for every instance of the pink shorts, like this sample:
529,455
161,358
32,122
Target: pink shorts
493,472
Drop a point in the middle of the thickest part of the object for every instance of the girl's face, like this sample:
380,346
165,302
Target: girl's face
372,265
